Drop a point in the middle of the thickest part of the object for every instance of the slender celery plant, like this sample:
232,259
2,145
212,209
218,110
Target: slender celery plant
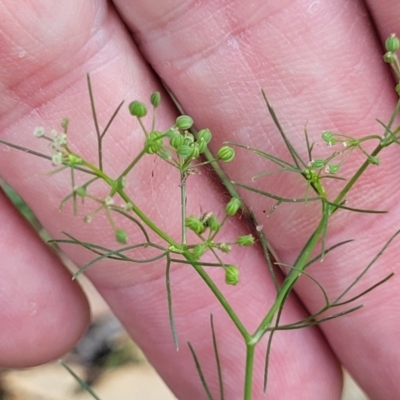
187,150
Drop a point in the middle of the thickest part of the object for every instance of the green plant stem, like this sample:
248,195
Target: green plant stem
199,269
298,267
183,204
250,350
133,163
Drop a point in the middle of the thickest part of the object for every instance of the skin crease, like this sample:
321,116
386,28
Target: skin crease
319,61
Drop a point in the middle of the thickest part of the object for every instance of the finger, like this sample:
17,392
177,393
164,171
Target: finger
43,312
94,40
385,17
319,63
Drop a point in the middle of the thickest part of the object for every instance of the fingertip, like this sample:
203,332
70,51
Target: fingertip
43,312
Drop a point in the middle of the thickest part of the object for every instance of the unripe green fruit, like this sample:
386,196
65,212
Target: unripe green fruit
154,142
204,134
121,236
155,99
177,140
184,122
137,109
184,150
233,206
226,154
392,43
194,224
231,275
245,240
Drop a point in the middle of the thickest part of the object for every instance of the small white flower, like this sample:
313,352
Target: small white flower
38,131
57,158
60,139
108,201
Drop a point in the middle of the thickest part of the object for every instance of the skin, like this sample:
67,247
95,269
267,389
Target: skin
318,61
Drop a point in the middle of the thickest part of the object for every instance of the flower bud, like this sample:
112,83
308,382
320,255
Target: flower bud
137,109
245,240
392,43
64,123
194,224
184,122
233,206
226,154
204,134
121,236
155,99
231,275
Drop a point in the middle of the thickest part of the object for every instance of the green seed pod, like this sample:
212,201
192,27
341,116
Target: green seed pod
80,191
198,251
328,138
155,99
231,275
226,154
224,247
333,168
204,134
194,224
184,122
202,145
195,151
213,223
245,240
318,163
137,109
389,57
154,142
121,236
392,43
170,133
233,206
164,154
176,140
184,150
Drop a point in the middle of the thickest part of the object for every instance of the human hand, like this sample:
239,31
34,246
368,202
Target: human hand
318,61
